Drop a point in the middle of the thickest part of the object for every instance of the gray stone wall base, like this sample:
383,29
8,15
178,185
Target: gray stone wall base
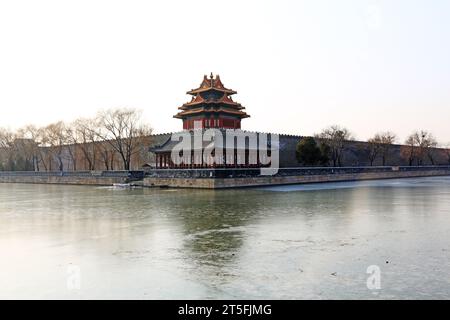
221,183
96,181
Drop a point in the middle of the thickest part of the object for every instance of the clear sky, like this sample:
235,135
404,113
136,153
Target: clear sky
298,66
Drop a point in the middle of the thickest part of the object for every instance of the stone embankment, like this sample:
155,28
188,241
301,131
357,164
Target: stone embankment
221,178
235,178
99,178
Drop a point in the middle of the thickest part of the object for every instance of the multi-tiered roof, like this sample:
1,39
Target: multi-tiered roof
212,106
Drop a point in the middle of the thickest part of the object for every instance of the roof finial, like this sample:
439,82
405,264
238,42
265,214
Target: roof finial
211,76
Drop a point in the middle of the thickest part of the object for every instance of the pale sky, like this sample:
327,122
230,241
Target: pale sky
298,66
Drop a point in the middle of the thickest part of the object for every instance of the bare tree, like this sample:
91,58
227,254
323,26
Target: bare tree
107,154
426,143
45,155
123,130
15,151
374,148
23,153
447,152
410,149
6,142
420,144
387,139
6,138
71,141
335,137
55,138
32,134
84,135
115,135
429,144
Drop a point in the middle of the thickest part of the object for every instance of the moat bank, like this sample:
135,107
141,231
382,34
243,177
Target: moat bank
98,178
237,178
222,178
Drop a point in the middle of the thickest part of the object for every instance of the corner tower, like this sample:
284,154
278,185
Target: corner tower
211,107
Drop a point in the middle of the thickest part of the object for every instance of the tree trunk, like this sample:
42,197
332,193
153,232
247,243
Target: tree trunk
431,159
61,165
112,161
